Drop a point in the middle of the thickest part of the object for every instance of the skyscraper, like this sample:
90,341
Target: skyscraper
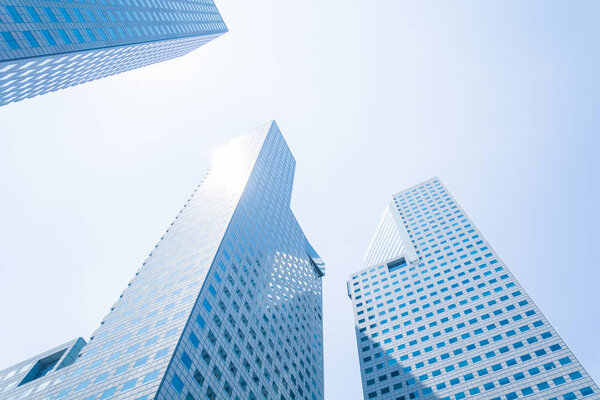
227,305
438,315
46,46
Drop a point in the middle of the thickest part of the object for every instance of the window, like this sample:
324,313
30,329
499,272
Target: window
129,385
396,265
198,378
177,383
587,390
161,353
186,360
108,393
151,376
140,361
543,386
42,367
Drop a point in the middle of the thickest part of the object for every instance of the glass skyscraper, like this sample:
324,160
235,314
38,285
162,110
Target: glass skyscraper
227,305
438,315
50,45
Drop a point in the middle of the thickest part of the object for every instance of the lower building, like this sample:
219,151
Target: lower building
438,315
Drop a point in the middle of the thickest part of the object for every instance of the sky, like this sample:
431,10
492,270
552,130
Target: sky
498,99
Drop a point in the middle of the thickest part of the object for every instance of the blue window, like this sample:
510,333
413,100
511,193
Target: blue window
65,15
543,386
14,14
151,341
549,366
171,332
186,360
150,376
177,383
140,361
33,14
63,393
474,390
91,34
559,381
161,353
101,377
83,385
50,14
108,393
575,375
129,385
396,265
586,391
121,369
64,36
10,40
519,376
194,340
564,361
79,15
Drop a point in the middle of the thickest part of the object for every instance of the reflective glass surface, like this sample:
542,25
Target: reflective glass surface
227,305
50,45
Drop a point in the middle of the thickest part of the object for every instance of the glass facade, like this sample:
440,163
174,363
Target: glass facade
51,45
438,315
227,305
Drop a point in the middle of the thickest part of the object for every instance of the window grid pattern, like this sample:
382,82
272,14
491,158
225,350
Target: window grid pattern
33,28
256,333
455,323
77,41
31,77
227,305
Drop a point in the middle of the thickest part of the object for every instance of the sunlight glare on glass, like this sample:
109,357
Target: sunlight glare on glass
229,165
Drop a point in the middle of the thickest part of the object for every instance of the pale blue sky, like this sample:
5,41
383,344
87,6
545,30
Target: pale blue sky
498,100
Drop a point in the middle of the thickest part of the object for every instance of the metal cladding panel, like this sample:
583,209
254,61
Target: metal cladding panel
387,242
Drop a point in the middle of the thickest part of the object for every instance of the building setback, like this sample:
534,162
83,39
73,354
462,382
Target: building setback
438,315
50,45
227,305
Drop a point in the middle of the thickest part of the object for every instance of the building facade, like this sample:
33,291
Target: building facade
227,305
50,45
438,315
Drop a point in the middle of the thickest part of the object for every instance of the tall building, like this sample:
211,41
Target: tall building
50,45
227,305
438,315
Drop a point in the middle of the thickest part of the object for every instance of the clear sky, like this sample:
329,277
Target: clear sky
501,101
